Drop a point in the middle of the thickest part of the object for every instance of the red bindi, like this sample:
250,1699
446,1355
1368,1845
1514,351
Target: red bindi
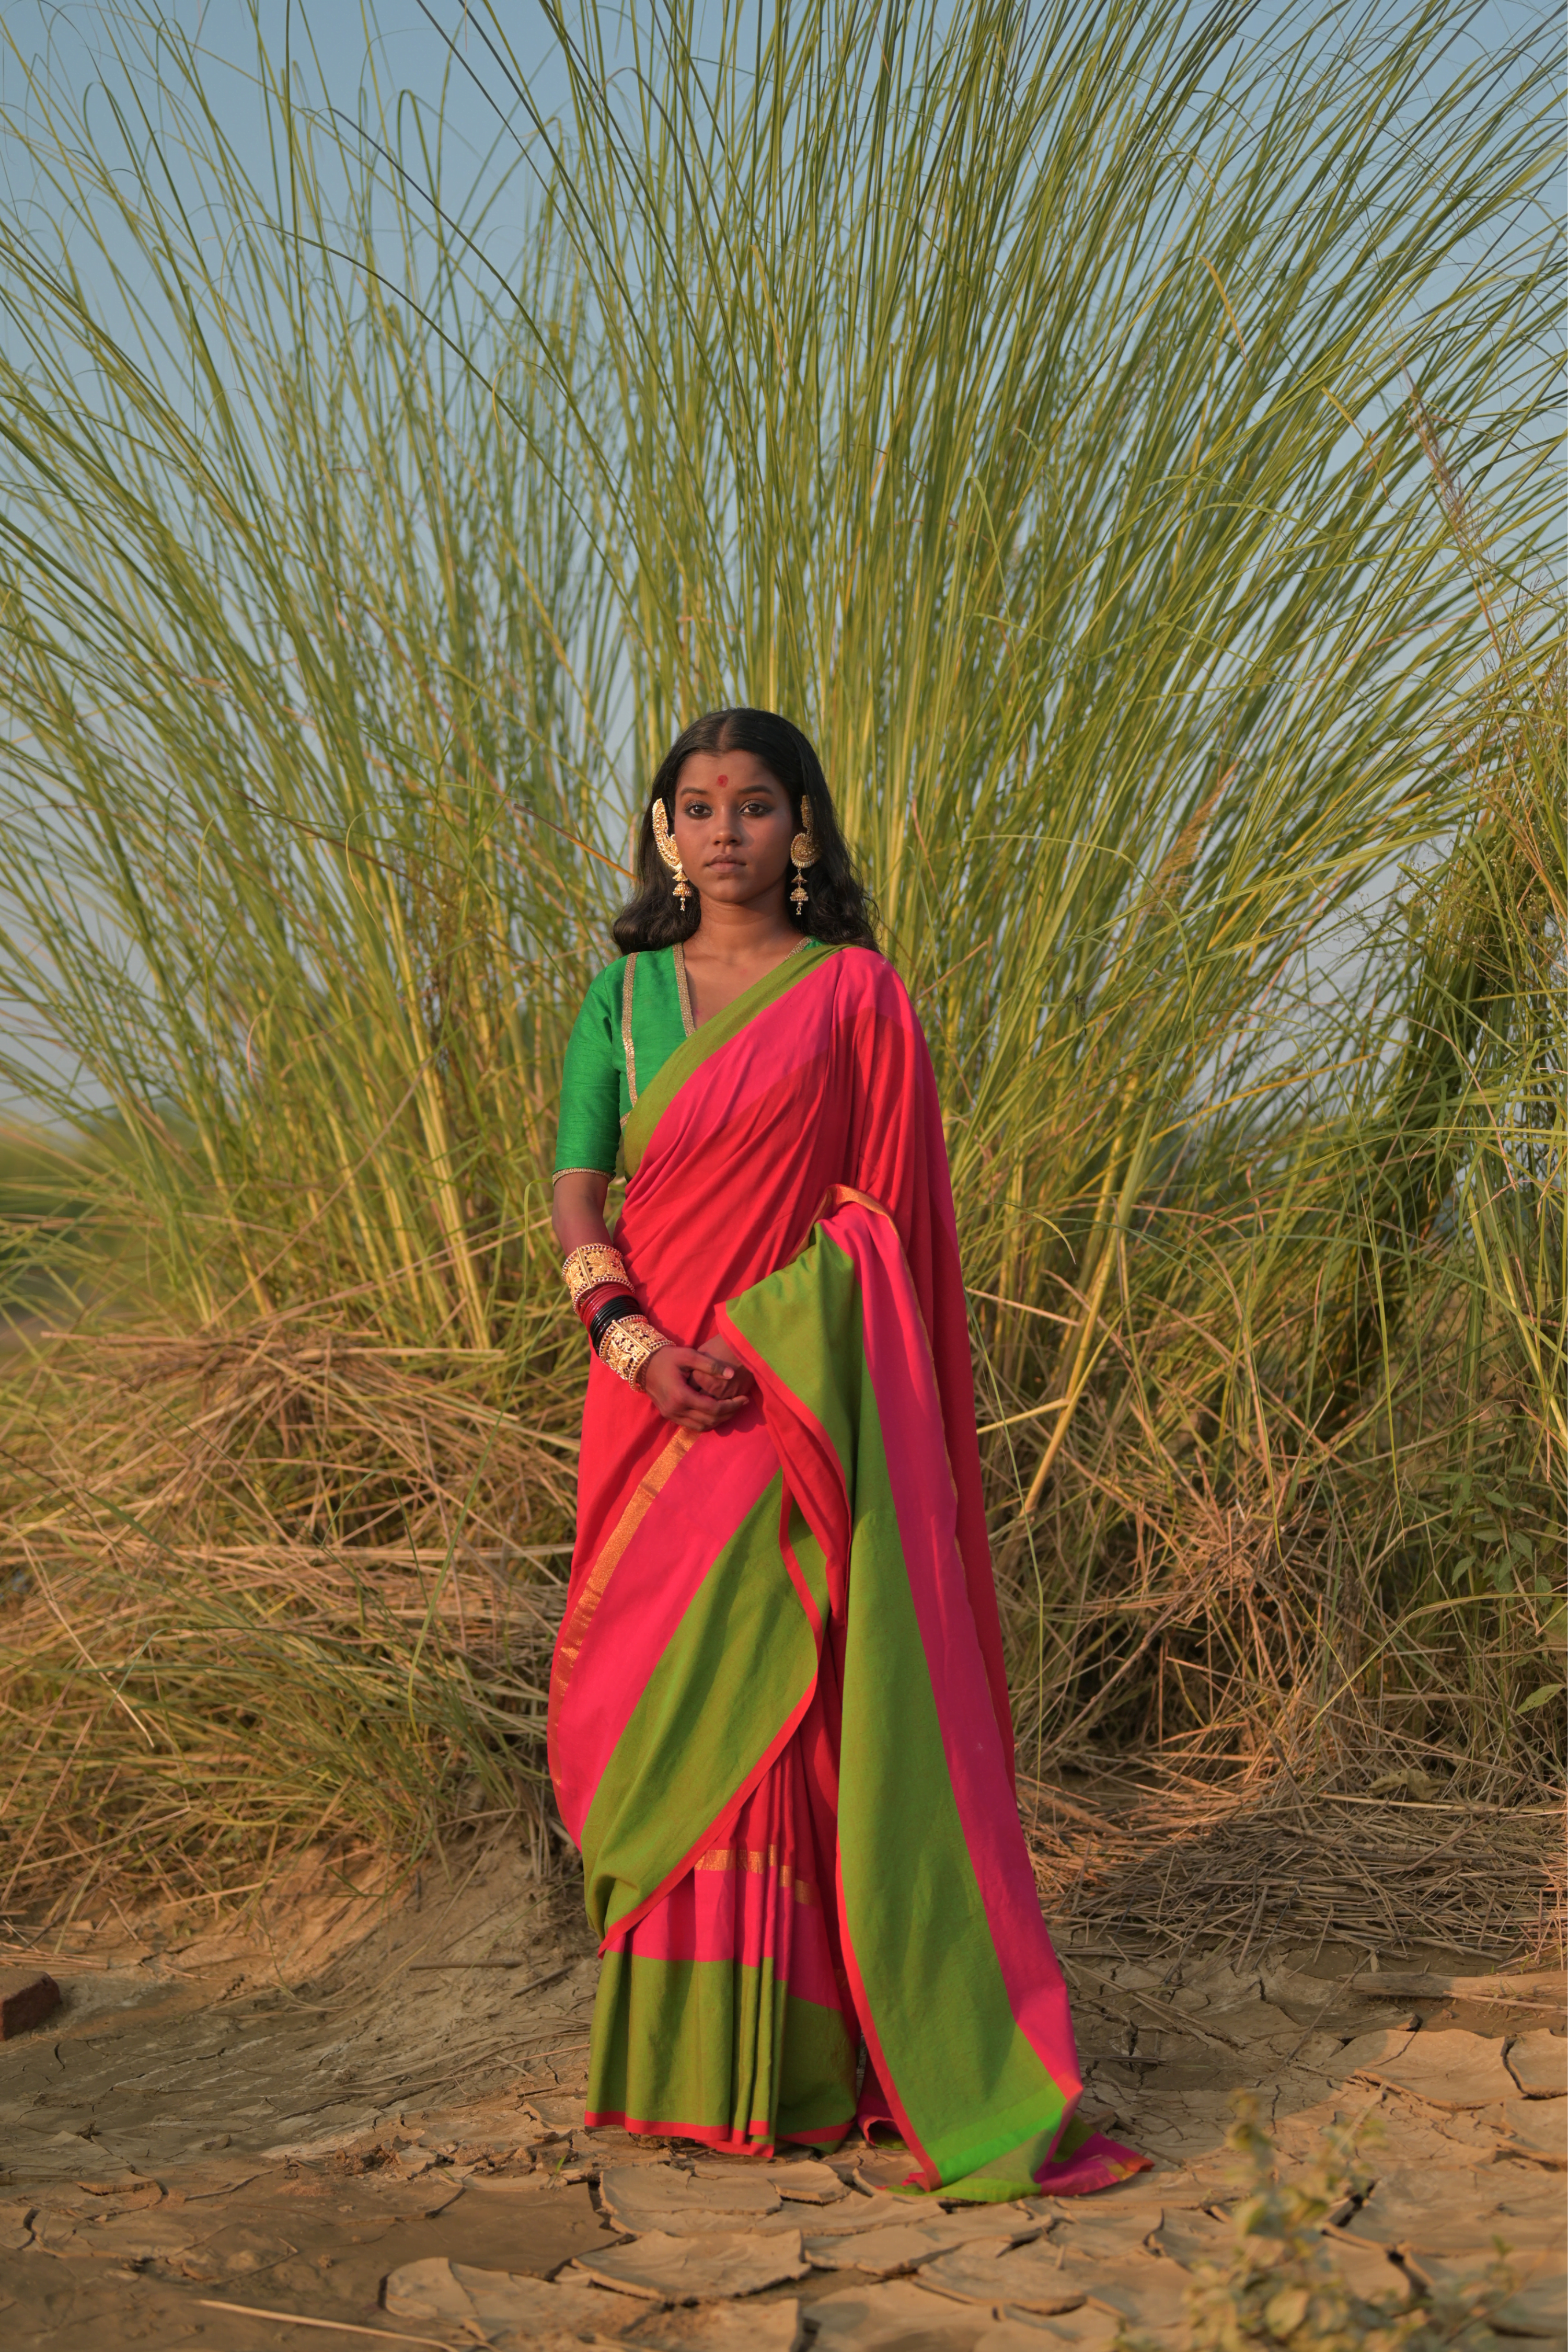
723,779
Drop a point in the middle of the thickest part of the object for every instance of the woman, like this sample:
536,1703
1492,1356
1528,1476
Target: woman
779,1725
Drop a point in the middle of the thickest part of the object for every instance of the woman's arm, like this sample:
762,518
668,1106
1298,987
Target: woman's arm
695,1390
577,1209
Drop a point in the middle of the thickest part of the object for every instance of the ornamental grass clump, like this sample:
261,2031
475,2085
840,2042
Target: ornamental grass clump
1116,436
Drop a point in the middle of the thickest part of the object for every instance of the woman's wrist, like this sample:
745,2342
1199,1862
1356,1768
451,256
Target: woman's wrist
589,1304
618,1332
625,1340
594,1265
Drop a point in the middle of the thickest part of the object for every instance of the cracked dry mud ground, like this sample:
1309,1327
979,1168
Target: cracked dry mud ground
360,2124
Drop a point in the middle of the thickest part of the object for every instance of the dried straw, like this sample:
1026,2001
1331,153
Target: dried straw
1174,1864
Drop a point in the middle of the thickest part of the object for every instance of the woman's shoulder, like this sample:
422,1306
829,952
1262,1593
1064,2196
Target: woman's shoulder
603,991
867,984
606,990
866,970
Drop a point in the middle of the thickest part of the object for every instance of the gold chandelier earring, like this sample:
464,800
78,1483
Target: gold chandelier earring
805,850
665,845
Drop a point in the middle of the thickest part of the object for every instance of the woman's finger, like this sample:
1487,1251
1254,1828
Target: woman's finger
699,1397
705,1415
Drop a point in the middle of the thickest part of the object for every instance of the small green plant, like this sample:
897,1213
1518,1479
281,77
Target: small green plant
1281,2286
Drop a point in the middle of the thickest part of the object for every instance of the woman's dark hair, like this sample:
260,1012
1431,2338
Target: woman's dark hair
837,911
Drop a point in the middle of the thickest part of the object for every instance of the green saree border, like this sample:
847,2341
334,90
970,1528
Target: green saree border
661,1092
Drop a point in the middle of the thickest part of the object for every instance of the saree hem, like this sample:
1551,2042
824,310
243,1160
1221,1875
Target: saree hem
762,2139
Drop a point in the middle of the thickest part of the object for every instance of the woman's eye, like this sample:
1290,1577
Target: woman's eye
695,808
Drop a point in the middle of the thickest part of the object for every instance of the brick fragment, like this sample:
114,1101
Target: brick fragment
26,1998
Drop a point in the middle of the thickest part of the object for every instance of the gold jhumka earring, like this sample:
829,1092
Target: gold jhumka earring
666,849
805,850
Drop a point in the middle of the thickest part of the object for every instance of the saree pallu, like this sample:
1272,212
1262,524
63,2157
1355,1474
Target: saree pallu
779,1729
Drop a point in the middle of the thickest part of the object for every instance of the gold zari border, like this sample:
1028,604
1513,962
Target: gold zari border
595,1583
761,1864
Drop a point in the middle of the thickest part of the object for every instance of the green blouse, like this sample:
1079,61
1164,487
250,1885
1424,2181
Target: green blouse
633,1018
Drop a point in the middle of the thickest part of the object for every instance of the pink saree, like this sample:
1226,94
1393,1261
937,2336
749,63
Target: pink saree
779,1728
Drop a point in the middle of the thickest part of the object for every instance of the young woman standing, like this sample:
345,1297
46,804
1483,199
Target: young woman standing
779,1725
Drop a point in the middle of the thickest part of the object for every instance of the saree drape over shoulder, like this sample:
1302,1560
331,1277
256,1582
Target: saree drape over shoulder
779,1728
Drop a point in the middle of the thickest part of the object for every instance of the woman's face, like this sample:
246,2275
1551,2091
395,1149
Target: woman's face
733,825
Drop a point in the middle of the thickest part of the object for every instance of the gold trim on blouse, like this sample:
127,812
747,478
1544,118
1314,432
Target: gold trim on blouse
683,990
627,986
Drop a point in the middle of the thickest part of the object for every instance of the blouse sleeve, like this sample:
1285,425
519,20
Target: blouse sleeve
589,1134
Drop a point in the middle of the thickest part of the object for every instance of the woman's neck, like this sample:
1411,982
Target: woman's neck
733,936
730,949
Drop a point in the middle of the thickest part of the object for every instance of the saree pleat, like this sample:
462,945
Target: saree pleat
724,2015
779,1725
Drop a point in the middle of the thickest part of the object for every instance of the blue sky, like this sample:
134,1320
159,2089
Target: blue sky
360,57
345,40
344,48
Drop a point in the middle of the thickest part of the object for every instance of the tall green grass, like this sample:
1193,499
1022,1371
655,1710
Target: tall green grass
1118,436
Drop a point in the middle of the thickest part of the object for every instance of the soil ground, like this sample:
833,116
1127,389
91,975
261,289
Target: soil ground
287,2117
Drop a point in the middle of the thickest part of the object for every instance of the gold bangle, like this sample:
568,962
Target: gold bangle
627,1345
591,1266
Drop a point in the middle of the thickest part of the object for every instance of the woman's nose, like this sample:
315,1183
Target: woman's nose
726,825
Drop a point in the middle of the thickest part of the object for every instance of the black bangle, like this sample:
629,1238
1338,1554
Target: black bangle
614,1310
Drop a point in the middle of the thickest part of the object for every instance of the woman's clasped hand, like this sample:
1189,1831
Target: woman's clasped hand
697,1388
